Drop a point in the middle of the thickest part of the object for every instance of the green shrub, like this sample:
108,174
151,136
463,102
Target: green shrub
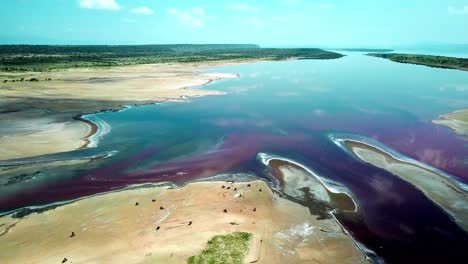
226,249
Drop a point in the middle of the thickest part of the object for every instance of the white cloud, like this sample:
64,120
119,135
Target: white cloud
241,7
192,17
458,11
100,4
142,10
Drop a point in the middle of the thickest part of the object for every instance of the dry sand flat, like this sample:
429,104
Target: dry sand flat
457,121
112,228
36,118
155,82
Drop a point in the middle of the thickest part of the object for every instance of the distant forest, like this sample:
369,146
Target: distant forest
427,60
49,57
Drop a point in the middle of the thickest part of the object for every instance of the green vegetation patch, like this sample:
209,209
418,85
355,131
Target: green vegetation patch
231,248
427,60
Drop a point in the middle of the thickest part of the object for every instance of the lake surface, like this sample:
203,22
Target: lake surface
292,109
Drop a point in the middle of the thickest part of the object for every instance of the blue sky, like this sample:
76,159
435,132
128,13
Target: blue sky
266,22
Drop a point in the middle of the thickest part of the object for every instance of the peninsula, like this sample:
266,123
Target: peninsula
426,60
457,121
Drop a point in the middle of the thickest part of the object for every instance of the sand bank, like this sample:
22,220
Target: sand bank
441,190
122,227
38,118
457,121
306,186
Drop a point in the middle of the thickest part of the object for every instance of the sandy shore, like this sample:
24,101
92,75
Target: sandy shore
37,118
122,227
457,121
442,191
41,135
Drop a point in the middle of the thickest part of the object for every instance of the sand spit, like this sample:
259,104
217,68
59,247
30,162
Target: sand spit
457,121
42,117
447,194
167,225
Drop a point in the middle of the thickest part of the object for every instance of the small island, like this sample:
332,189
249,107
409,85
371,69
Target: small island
426,60
446,192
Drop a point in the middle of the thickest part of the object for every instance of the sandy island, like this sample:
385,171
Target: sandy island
448,195
38,118
457,121
305,187
160,224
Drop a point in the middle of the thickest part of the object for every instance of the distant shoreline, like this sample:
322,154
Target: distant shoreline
425,60
33,58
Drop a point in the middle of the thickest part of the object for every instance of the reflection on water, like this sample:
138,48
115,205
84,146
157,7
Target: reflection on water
289,109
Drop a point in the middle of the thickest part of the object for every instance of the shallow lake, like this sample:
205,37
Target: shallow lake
292,109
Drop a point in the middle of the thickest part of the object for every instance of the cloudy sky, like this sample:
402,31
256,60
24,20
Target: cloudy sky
266,22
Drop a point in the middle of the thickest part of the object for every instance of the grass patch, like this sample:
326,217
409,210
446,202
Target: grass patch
231,248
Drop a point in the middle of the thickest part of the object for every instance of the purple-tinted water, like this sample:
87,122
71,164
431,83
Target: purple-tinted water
289,109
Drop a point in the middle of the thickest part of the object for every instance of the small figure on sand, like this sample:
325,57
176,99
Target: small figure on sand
190,223
72,234
136,204
161,207
154,200
255,209
225,211
64,260
157,228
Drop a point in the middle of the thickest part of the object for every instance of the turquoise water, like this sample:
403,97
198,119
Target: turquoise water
290,109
